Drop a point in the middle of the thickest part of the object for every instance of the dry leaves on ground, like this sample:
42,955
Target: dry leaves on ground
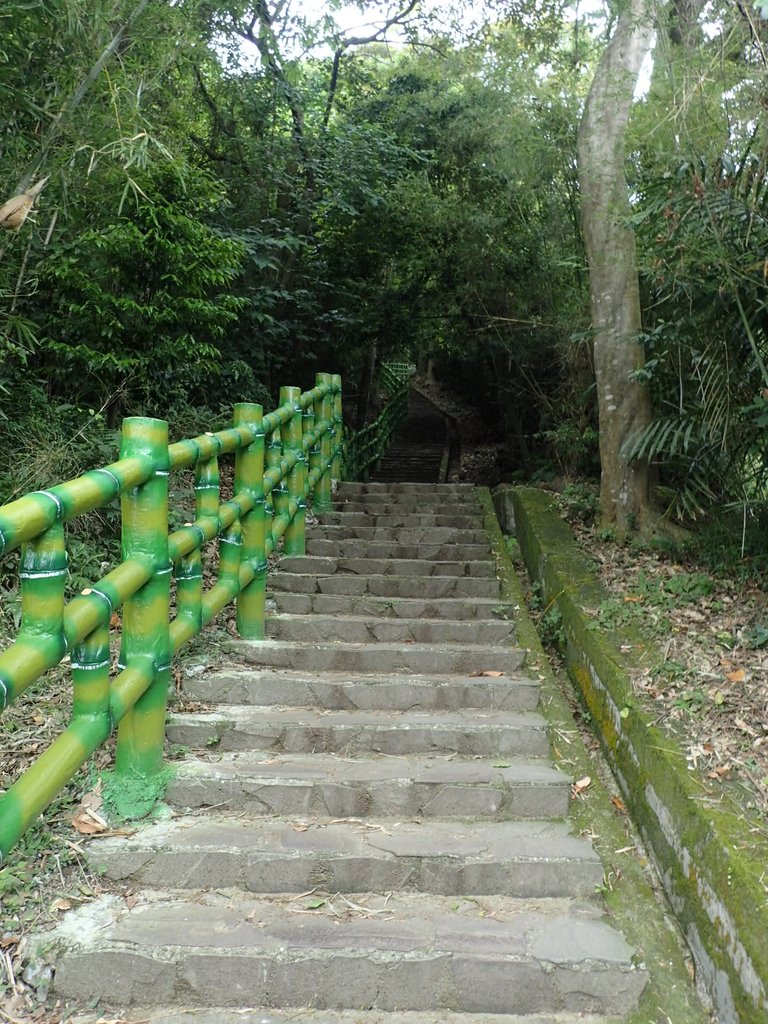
708,683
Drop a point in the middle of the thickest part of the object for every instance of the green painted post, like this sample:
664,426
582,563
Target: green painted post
291,437
249,477
273,456
146,639
230,546
321,500
43,577
309,447
207,486
189,590
90,678
338,428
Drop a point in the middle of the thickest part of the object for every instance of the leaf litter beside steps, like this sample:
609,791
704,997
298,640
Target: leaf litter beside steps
708,683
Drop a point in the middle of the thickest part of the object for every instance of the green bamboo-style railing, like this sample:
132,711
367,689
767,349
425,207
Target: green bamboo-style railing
365,447
281,459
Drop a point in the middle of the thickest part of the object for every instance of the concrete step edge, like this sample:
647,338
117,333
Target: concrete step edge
308,1015
508,955
350,691
279,730
259,855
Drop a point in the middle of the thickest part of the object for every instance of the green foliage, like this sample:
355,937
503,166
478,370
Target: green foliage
137,307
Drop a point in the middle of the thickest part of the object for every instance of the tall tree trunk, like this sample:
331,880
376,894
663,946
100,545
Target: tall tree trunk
623,403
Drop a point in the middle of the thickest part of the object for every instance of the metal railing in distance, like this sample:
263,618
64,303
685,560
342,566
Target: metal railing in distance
365,447
300,442
394,375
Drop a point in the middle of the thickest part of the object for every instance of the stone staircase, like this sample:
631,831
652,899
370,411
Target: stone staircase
418,450
367,828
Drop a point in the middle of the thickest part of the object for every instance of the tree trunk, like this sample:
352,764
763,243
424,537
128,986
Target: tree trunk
623,403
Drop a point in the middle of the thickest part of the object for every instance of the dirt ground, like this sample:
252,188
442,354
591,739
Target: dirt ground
709,684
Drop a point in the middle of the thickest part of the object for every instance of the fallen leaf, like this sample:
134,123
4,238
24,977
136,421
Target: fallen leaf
88,822
92,800
737,676
315,904
300,828
61,904
633,598
578,787
618,803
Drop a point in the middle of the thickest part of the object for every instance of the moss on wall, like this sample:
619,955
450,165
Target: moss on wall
711,864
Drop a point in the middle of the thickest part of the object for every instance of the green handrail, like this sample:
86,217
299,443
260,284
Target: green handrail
365,447
269,502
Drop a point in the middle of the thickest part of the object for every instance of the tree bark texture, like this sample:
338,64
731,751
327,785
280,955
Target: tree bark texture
623,403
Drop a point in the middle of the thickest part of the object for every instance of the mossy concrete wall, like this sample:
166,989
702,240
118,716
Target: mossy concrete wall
712,864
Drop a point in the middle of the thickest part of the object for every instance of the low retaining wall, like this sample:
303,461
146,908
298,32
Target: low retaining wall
713,867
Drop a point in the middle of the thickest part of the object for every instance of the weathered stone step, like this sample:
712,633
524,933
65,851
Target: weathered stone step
477,569
410,506
458,609
418,535
385,586
339,690
442,659
348,487
400,500
410,952
307,1015
359,629
383,786
307,731
513,858
407,520
356,548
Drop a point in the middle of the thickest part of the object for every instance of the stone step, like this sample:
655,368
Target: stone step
427,499
381,786
410,506
307,1015
356,548
349,487
442,659
337,690
359,629
419,535
409,520
454,608
351,584
512,858
396,952
348,733
324,566
418,471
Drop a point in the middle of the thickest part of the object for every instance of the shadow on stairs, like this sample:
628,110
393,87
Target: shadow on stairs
420,448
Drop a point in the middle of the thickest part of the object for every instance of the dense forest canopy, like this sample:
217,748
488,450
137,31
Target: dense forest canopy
232,196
